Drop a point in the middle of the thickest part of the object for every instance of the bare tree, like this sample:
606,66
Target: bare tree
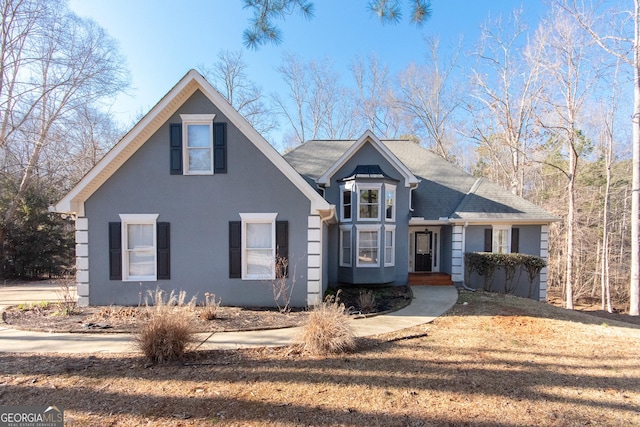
565,61
228,75
616,38
317,106
375,103
429,96
53,64
505,88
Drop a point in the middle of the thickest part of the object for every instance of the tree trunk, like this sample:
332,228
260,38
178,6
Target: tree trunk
634,288
570,222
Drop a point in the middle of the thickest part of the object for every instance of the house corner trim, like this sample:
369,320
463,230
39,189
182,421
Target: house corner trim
457,254
544,254
314,260
82,261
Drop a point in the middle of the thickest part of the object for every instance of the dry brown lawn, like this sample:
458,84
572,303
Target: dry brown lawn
495,361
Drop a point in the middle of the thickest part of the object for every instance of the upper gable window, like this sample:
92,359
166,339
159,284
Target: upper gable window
197,143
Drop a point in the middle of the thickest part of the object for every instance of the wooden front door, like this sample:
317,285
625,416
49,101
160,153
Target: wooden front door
424,250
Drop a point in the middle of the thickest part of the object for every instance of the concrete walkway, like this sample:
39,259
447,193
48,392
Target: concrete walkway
428,303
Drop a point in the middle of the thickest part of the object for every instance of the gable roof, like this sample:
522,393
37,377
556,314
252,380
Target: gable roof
368,137
445,192
73,201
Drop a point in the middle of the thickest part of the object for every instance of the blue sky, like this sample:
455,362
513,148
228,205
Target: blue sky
163,39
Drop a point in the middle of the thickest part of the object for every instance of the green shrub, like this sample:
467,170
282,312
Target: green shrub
328,329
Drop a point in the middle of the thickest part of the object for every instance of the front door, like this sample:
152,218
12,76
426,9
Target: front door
424,250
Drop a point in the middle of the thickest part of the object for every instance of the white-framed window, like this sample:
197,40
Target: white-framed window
389,245
139,247
369,202
390,202
501,239
346,201
345,246
368,244
197,143
258,246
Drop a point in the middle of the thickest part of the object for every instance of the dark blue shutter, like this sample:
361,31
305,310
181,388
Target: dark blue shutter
219,148
115,251
235,249
175,150
515,240
282,246
163,246
488,240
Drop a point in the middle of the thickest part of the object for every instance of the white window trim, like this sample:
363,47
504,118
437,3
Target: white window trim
196,119
392,230
265,218
342,230
494,237
360,228
389,187
138,219
343,189
360,187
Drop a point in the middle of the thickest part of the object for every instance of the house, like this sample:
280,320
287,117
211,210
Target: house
194,199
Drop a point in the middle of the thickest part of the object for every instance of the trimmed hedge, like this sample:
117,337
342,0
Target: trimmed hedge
486,264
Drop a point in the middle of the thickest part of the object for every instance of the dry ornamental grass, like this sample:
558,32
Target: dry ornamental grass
496,361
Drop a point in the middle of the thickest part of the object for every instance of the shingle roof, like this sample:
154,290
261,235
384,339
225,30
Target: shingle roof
444,191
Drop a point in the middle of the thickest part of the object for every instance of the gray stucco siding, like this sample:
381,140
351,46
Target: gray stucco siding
369,155
199,209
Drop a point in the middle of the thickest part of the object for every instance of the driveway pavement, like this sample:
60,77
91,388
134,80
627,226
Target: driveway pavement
428,303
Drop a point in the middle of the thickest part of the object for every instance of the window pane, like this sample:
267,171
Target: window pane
369,204
259,235
346,204
346,197
369,196
139,236
368,211
390,200
368,256
260,262
199,159
368,239
346,247
141,263
368,249
198,136
388,238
